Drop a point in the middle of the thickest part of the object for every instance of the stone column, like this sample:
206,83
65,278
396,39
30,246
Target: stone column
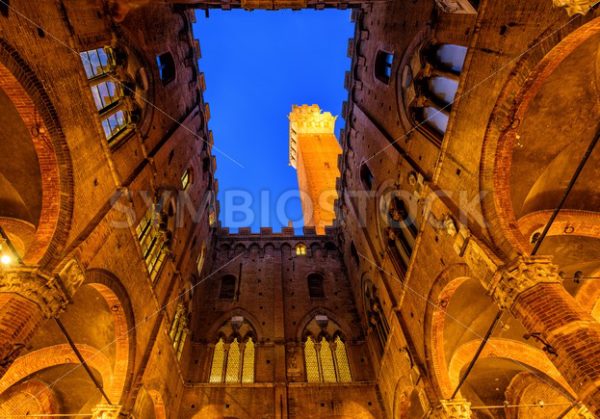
532,290
452,409
29,296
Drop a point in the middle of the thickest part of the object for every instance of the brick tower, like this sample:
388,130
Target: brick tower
314,152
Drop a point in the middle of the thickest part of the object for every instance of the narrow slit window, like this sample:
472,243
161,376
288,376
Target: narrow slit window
227,291
315,286
384,62
248,365
232,374
166,67
186,179
216,369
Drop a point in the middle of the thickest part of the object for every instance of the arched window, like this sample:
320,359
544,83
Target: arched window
166,67
179,329
315,286
402,233
227,291
300,249
233,362
376,321
99,64
429,85
384,62
326,361
153,242
366,177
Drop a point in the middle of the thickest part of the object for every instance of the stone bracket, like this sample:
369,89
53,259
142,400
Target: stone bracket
521,275
106,411
28,282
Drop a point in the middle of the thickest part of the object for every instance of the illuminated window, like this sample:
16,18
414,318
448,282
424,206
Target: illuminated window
232,374
315,286
383,66
216,369
326,362
429,86
311,362
166,67
327,366
248,366
300,249
96,62
186,179
152,242
233,362
106,91
178,331
342,361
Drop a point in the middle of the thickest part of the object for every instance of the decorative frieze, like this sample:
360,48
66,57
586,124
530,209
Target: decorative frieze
523,274
33,285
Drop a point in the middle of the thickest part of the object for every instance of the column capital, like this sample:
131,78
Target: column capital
574,7
452,409
32,284
106,411
522,274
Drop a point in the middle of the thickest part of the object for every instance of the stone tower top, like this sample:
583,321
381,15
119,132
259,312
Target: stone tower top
308,119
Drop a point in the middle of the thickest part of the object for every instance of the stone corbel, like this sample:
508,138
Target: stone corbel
574,7
521,275
71,277
28,282
452,409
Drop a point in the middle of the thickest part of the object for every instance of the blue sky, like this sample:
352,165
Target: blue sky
257,65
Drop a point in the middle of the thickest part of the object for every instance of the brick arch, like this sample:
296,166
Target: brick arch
522,354
117,299
527,78
31,395
51,356
588,296
158,403
40,118
568,223
440,294
519,389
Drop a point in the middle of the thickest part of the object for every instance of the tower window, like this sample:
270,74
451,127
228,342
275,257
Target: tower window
105,94
96,62
227,291
166,67
383,66
376,320
401,234
152,242
300,249
186,179
366,177
315,286
179,330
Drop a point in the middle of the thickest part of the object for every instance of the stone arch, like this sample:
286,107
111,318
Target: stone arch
527,78
117,298
442,290
532,358
308,317
225,317
34,107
